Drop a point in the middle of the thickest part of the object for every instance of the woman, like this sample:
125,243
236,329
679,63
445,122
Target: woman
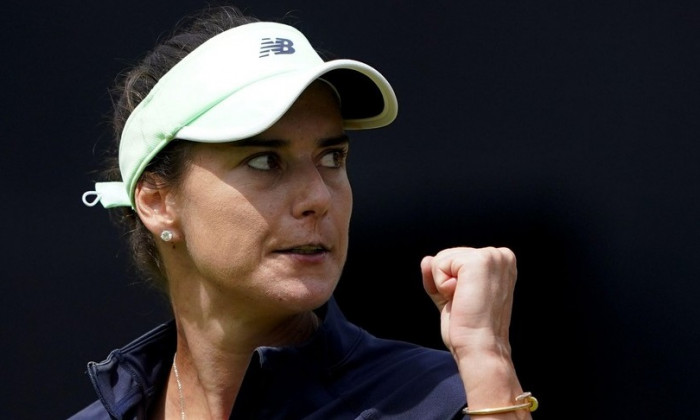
232,183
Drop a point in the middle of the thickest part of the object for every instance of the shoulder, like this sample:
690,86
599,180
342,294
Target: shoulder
401,380
396,354
128,380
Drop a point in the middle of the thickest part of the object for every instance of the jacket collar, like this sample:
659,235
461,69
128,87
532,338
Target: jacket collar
129,379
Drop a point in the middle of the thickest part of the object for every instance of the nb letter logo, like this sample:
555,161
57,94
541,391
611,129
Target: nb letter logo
276,46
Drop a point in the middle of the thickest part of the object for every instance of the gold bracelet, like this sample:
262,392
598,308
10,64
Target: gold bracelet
531,404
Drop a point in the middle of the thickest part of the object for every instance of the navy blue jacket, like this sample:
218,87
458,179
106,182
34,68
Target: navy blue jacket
342,372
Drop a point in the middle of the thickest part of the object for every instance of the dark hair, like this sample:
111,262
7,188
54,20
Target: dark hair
169,165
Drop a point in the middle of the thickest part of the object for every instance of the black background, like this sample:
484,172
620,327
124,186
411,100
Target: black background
566,130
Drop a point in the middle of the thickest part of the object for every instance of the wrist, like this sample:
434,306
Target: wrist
489,378
523,405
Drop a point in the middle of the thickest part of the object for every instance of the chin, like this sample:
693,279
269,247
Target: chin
305,296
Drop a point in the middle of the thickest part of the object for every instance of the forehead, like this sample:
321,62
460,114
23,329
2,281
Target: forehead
316,114
318,94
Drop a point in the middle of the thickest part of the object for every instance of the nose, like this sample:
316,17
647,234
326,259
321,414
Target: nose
312,193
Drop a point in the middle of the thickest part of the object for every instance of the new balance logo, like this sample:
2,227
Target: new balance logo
276,46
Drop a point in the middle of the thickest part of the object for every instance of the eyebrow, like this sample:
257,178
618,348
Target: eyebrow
277,143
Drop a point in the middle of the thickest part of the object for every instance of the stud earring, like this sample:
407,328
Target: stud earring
166,236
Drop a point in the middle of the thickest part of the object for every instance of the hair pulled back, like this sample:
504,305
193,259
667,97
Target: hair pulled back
169,165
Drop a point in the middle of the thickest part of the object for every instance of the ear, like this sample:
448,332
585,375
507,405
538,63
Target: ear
155,206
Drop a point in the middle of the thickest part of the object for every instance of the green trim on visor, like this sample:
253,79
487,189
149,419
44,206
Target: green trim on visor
234,86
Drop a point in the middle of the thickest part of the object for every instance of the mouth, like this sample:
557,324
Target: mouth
308,249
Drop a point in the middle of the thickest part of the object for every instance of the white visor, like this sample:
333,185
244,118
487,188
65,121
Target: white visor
235,86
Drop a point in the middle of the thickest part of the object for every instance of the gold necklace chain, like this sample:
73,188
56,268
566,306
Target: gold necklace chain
179,388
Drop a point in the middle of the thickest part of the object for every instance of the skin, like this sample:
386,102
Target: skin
473,290
260,238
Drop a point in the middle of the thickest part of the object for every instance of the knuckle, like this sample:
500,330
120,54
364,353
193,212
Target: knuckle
497,256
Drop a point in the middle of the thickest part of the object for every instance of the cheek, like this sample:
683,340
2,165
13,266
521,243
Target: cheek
227,219
221,226
226,245
344,197
343,212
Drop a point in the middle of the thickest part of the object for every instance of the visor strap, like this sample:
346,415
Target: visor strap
109,194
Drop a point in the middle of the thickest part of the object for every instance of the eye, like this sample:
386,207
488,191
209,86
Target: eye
334,158
264,162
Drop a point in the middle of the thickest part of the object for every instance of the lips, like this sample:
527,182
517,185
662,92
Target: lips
308,249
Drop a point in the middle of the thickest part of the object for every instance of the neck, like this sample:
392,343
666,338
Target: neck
215,341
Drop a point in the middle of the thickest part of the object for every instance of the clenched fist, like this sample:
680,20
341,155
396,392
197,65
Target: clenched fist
473,289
